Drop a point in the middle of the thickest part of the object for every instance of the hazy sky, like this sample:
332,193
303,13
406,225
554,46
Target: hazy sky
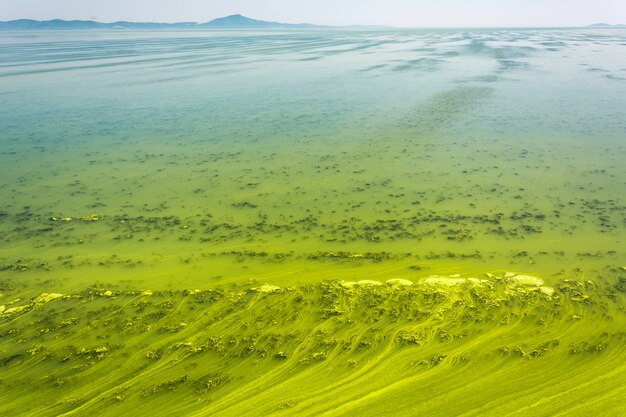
406,13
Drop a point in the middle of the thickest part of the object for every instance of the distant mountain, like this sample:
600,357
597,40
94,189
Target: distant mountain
236,21
58,24
605,25
49,24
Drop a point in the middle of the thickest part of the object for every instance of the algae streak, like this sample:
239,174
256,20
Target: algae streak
431,347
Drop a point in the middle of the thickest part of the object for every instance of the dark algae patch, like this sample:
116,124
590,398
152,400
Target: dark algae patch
327,348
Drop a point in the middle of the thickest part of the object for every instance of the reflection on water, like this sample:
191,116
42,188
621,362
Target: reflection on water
169,160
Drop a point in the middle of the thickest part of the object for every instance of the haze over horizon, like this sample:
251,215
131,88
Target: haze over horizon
400,13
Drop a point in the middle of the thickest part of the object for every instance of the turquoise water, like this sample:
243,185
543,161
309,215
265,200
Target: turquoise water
136,165
470,151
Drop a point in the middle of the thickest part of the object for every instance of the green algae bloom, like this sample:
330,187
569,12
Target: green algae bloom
323,349
313,223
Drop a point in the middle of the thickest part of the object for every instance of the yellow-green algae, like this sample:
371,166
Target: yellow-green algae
172,203
437,346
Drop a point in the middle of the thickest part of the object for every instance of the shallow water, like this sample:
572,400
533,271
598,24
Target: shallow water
200,160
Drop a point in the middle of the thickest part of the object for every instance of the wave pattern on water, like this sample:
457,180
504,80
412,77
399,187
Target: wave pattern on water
328,349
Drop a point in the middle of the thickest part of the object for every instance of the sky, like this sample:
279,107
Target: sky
401,13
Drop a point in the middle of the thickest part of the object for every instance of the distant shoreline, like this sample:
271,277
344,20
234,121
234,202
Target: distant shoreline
236,22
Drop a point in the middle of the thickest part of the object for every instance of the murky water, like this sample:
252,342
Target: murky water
179,160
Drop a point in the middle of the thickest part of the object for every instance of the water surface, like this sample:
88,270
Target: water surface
188,160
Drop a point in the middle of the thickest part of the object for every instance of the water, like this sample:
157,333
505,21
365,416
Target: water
167,161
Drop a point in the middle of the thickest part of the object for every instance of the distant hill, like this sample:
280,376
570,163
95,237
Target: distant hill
605,25
236,21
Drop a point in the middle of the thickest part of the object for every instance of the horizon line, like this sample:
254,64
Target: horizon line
600,24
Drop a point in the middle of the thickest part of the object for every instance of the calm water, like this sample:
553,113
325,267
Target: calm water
449,151
173,160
